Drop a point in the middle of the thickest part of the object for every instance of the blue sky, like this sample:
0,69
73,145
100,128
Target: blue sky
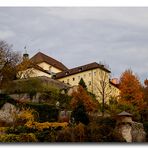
75,36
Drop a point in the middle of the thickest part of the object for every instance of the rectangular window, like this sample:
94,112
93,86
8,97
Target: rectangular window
89,83
89,74
73,79
67,80
84,75
78,77
95,73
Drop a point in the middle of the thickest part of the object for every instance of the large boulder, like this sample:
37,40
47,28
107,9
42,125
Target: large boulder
137,132
8,113
131,132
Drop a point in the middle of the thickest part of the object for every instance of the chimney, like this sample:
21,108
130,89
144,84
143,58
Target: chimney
115,81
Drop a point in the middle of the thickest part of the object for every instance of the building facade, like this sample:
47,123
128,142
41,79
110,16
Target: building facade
95,76
41,65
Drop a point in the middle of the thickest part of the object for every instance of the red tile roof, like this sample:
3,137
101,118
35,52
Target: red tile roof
40,57
81,69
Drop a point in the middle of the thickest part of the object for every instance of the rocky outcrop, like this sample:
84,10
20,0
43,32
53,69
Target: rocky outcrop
124,130
137,132
128,129
7,113
131,132
24,97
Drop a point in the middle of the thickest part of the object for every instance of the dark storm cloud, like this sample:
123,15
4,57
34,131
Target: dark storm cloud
76,36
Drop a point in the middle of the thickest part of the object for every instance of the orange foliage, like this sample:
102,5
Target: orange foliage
81,96
131,89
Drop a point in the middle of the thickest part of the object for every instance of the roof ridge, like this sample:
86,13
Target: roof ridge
84,68
48,56
41,57
88,65
83,65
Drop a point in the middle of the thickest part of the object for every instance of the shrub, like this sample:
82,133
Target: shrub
20,129
18,138
45,111
93,133
3,130
80,115
43,136
47,135
79,132
73,134
24,116
102,131
64,100
66,135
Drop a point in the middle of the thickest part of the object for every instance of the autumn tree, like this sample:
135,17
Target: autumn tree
8,61
131,91
82,103
25,69
81,97
145,90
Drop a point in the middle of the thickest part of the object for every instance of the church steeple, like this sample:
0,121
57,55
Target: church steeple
25,55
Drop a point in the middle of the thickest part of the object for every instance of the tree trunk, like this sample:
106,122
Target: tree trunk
103,107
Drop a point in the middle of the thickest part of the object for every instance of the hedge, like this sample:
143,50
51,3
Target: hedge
46,112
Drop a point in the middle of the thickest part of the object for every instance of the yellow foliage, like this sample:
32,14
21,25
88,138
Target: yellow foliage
26,115
30,123
44,125
3,129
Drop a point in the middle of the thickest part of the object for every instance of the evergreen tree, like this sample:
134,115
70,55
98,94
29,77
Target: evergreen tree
79,114
82,83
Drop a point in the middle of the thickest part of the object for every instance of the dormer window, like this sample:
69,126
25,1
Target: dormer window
81,68
66,73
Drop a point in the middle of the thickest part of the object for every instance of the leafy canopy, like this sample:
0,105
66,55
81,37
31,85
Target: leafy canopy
131,90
